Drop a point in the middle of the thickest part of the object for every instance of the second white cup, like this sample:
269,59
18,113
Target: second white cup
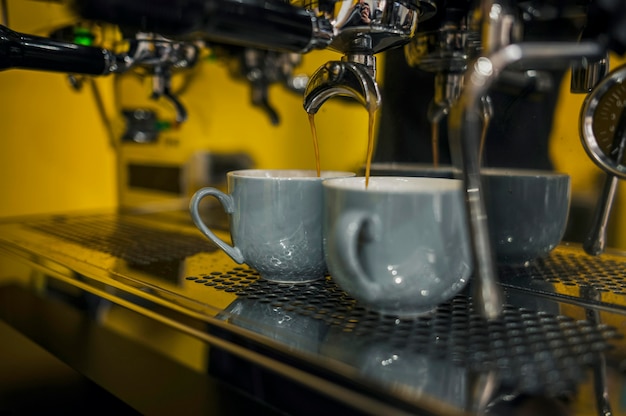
399,247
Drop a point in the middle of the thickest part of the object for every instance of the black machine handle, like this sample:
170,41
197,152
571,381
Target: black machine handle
19,50
267,24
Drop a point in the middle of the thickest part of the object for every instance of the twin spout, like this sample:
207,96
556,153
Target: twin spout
342,78
359,32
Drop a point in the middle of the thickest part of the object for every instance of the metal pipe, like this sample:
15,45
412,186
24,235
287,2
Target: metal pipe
465,131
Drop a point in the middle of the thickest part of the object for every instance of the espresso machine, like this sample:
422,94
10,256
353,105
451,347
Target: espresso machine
155,315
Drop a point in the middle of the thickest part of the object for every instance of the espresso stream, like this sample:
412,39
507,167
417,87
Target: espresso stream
370,142
371,111
316,145
434,130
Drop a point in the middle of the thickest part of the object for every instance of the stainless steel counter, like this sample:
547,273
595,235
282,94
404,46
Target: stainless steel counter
299,348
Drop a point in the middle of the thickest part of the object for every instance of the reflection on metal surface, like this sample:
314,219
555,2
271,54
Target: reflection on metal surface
135,243
285,325
546,343
567,272
532,352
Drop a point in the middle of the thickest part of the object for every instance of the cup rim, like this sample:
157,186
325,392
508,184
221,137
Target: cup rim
522,172
394,184
505,172
288,174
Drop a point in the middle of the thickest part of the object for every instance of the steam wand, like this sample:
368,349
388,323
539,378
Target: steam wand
465,132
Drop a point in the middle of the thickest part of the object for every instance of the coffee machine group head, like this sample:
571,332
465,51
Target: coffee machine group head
360,30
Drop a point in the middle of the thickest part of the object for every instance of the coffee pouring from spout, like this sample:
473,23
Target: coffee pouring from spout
354,77
359,32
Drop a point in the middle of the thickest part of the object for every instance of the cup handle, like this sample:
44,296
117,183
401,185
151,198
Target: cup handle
348,230
227,203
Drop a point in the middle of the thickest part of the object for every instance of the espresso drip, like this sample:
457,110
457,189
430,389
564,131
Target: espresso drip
434,129
370,143
371,110
316,145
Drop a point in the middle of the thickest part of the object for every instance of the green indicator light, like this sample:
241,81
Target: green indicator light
83,37
163,125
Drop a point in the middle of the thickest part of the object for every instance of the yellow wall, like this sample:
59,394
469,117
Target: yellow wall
55,154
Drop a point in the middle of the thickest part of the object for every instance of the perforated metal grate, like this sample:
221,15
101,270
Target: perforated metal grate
120,237
602,274
530,350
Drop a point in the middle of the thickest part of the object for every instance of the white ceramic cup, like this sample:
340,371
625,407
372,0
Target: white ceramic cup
275,221
399,247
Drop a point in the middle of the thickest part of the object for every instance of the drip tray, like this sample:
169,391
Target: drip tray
124,238
571,273
563,315
530,351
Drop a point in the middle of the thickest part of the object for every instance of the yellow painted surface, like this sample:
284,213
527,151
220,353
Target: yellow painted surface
54,154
